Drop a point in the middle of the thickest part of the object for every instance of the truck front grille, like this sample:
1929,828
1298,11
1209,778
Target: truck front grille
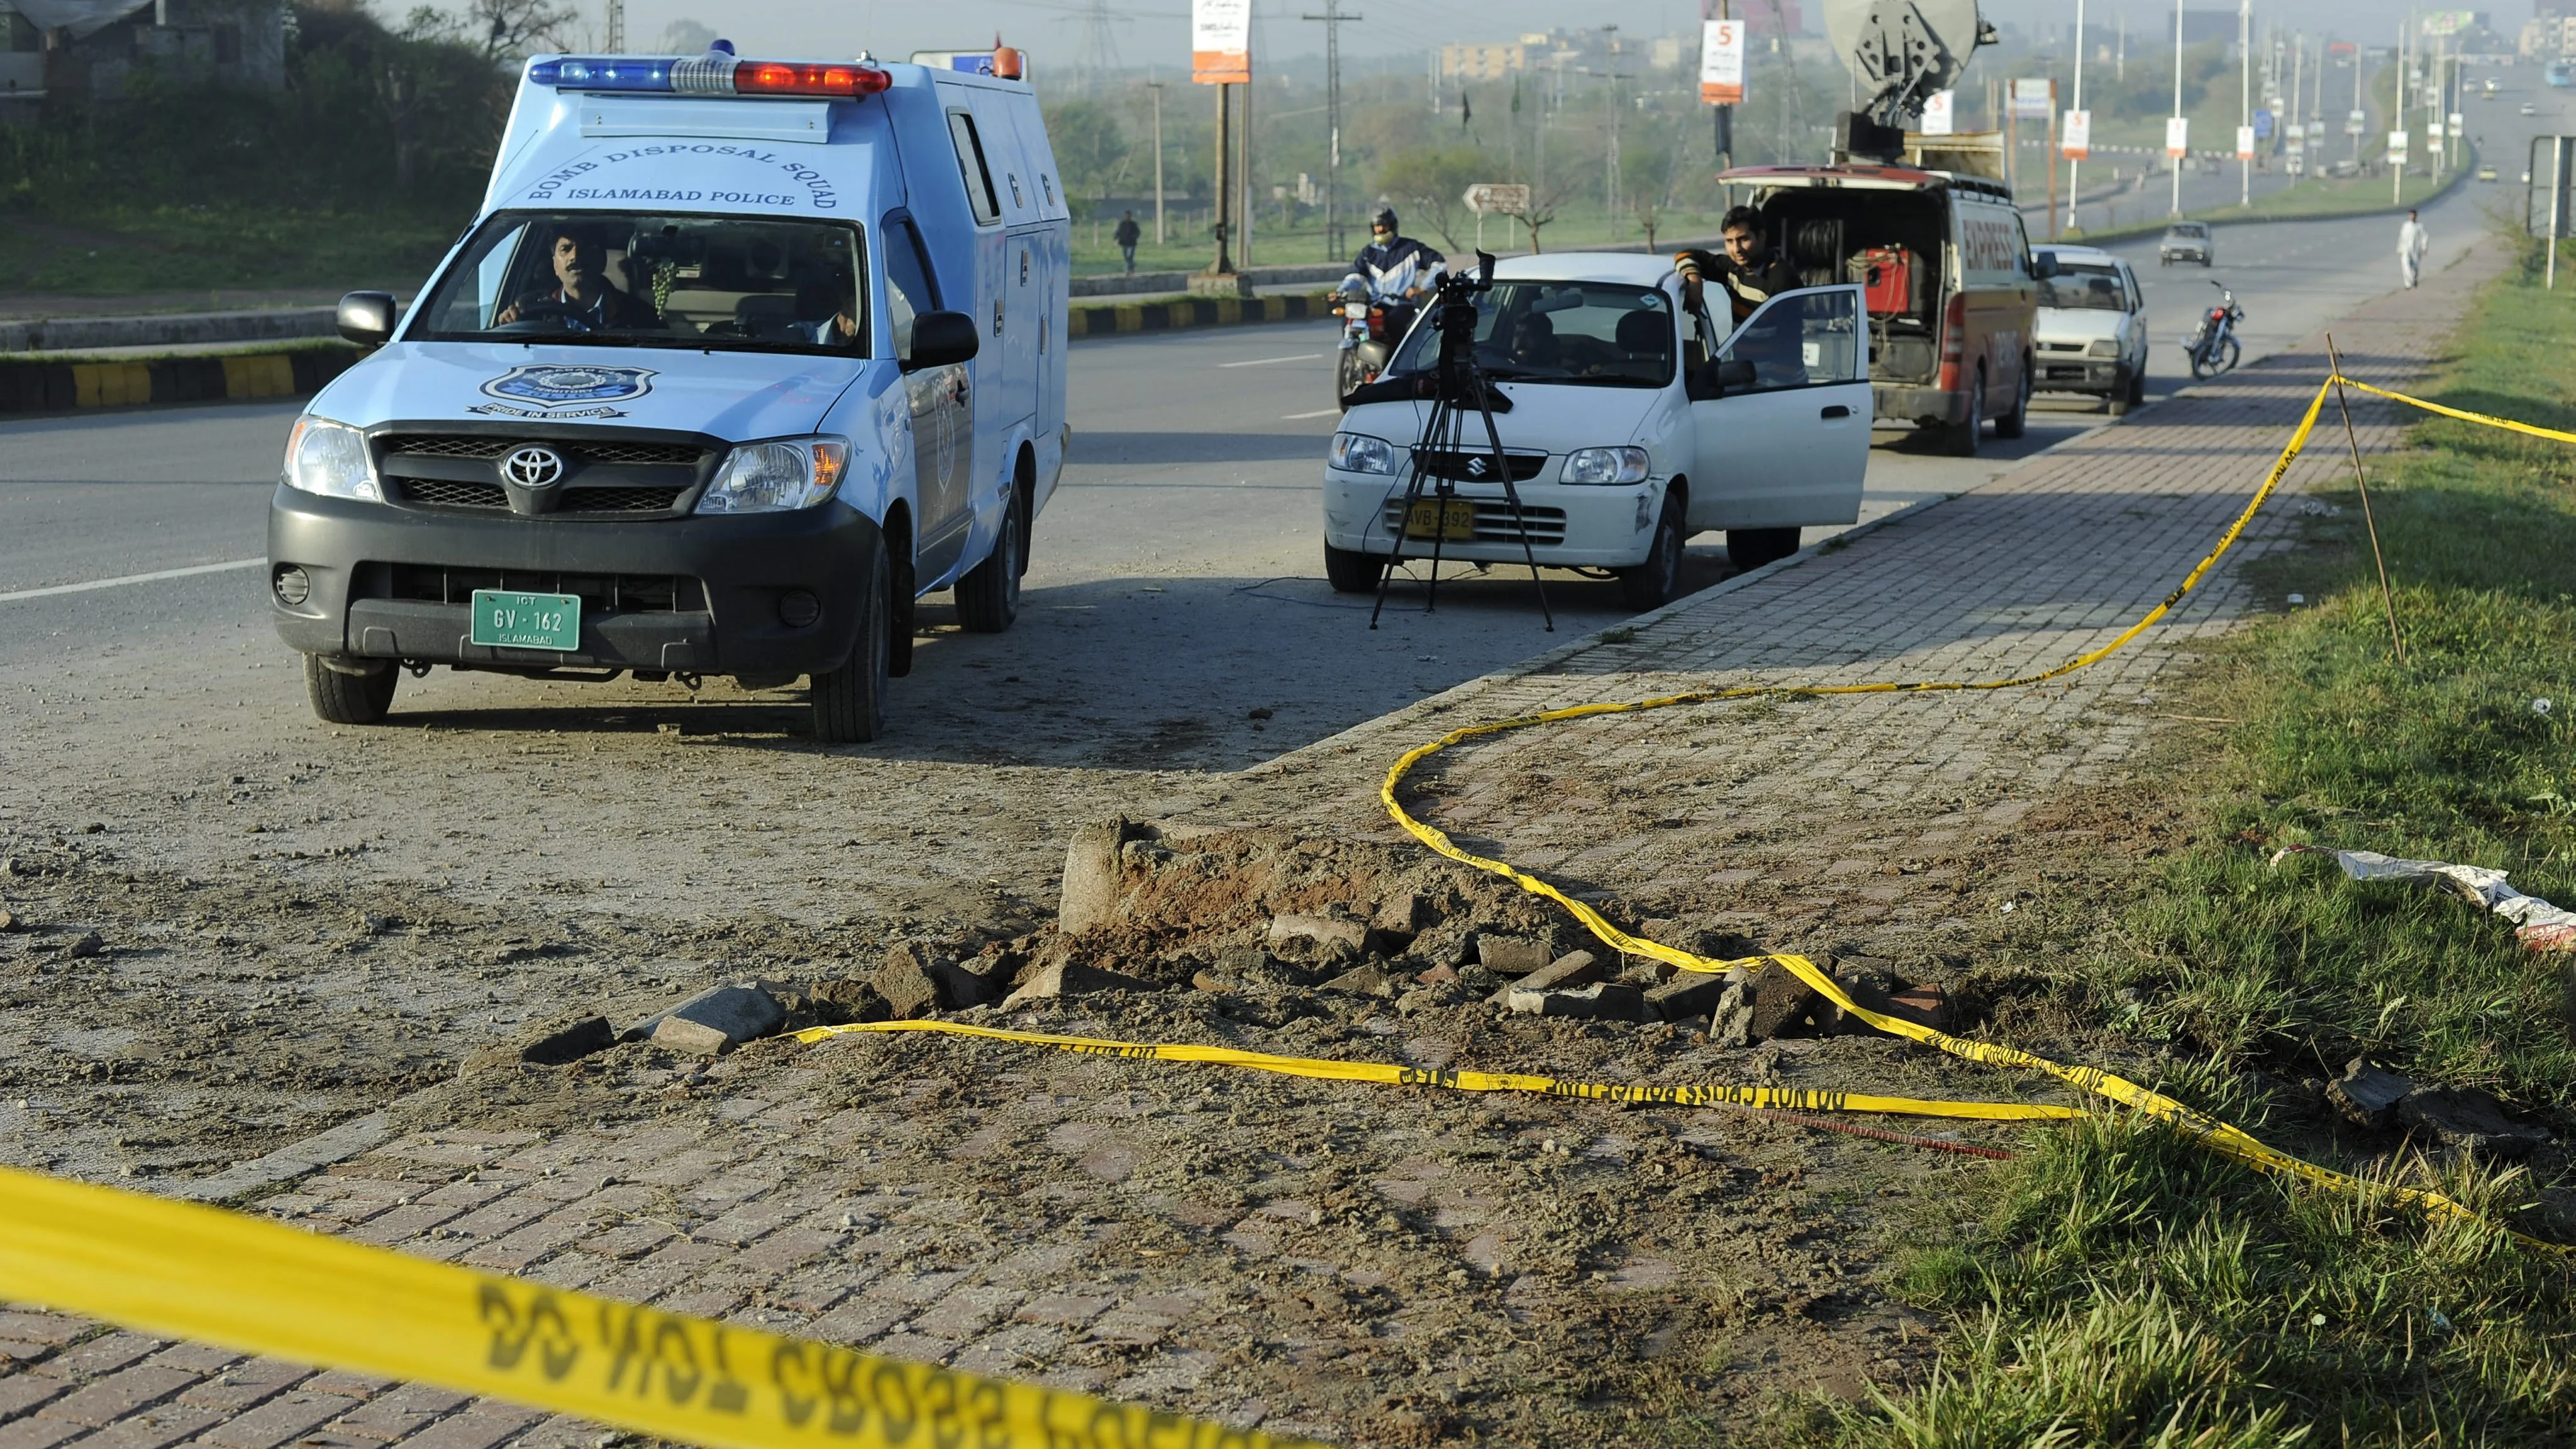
599,593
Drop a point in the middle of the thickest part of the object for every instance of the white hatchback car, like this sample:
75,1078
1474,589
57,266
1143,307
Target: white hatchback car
1634,423
2091,336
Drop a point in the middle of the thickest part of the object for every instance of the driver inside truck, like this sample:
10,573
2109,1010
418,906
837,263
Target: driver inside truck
582,295
1751,272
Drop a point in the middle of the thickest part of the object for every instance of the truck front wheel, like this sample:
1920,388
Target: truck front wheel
988,598
353,699
849,702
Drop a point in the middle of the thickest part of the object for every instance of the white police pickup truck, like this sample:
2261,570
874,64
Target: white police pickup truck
1634,423
740,359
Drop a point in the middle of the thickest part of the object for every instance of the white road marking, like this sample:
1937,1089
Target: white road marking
150,578
1318,413
1266,361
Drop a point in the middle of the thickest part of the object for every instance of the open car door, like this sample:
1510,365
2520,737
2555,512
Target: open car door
1782,415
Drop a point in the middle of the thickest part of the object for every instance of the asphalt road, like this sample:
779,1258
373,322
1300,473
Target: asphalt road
1179,562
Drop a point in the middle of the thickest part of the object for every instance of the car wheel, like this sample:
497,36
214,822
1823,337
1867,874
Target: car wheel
1750,548
354,699
2013,424
2117,403
1652,583
1962,439
988,598
849,702
1351,571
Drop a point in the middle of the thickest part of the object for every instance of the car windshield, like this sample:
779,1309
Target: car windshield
2191,232
1598,334
634,279
2089,285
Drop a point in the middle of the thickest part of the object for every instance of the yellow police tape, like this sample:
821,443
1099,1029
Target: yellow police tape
184,1271
1706,1094
2221,1137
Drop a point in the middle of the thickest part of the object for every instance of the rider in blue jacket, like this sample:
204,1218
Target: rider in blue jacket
1393,266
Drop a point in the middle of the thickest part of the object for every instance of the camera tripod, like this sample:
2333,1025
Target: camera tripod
1457,387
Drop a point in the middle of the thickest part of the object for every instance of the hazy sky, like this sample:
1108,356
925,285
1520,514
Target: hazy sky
1158,30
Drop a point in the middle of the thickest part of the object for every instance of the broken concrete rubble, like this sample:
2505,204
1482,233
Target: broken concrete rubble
1369,980
1600,1001
2465,1119
2367,1096
1513,955
1326,931
1574,968
1069,978
715,1020
1689,994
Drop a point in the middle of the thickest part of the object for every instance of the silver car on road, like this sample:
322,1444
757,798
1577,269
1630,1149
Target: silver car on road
2091,334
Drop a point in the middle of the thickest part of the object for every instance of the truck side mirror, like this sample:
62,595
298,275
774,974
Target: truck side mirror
367,318
941,339
2043,265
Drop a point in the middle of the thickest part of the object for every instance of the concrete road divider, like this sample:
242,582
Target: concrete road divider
1192,312
61,387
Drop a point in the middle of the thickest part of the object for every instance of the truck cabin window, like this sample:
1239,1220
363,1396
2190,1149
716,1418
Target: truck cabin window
2084,285
617,279
1598,334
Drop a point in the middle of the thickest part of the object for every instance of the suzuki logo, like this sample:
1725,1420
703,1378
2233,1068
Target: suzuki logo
533,466
1475,467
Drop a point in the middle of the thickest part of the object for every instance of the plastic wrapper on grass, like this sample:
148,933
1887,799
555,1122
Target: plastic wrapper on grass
2539,925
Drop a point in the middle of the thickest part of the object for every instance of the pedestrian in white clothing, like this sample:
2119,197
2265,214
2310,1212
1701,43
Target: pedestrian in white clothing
2412,242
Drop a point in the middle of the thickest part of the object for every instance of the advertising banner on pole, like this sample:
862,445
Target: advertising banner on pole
1940,110
2263,125
2033,98
2075,137
2177,136
2245,143
1221,42
1721,63
2397,148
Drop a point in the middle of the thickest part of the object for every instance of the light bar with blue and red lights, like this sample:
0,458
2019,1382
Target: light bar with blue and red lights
709,75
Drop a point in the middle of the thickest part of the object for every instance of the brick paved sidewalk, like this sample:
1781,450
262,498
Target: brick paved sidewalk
1290,1253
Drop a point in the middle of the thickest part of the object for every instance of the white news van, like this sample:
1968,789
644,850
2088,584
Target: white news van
740,359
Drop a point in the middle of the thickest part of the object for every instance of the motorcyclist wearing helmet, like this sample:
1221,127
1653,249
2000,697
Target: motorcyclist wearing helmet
1394,266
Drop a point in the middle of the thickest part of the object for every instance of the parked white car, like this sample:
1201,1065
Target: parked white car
1635,423
2092,328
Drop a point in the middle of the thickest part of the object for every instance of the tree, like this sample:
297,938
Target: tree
510,29
1090,147
1432,182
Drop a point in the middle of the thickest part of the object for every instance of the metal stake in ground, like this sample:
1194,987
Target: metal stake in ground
2334,366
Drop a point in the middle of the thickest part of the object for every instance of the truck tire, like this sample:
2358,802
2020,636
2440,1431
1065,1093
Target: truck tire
352,699
1351,571
988,598
1653,583
2013,424
849,702
1750,548
1961,440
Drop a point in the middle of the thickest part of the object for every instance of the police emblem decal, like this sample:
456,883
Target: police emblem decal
553,390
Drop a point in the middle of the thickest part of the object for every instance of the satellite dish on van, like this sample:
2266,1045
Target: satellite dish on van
1902,51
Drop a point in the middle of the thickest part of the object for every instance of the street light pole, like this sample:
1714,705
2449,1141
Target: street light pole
1157,88
2073,166
2177,109
1332,19
2245,97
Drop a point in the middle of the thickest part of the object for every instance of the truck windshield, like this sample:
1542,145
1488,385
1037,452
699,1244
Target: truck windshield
2084,285
631,279
1600,334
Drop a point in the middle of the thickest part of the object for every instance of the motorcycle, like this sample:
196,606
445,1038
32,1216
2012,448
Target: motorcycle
2212,346
1371,328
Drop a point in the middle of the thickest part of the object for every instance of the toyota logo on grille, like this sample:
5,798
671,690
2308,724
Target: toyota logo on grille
533,466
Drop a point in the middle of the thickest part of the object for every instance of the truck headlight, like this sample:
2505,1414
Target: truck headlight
330,459
2103,347
1606,465
776,477
1360,453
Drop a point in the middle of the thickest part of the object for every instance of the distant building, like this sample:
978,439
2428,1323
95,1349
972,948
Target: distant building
2549,34
91,50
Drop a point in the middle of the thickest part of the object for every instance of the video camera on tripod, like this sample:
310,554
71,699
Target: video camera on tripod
1455,386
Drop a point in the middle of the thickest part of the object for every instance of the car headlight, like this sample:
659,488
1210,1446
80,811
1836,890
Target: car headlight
1360,453
1606,465
775,477
330,459
2103,347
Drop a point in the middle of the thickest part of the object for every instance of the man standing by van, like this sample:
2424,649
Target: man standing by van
1127,235
1751,272
2412,242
